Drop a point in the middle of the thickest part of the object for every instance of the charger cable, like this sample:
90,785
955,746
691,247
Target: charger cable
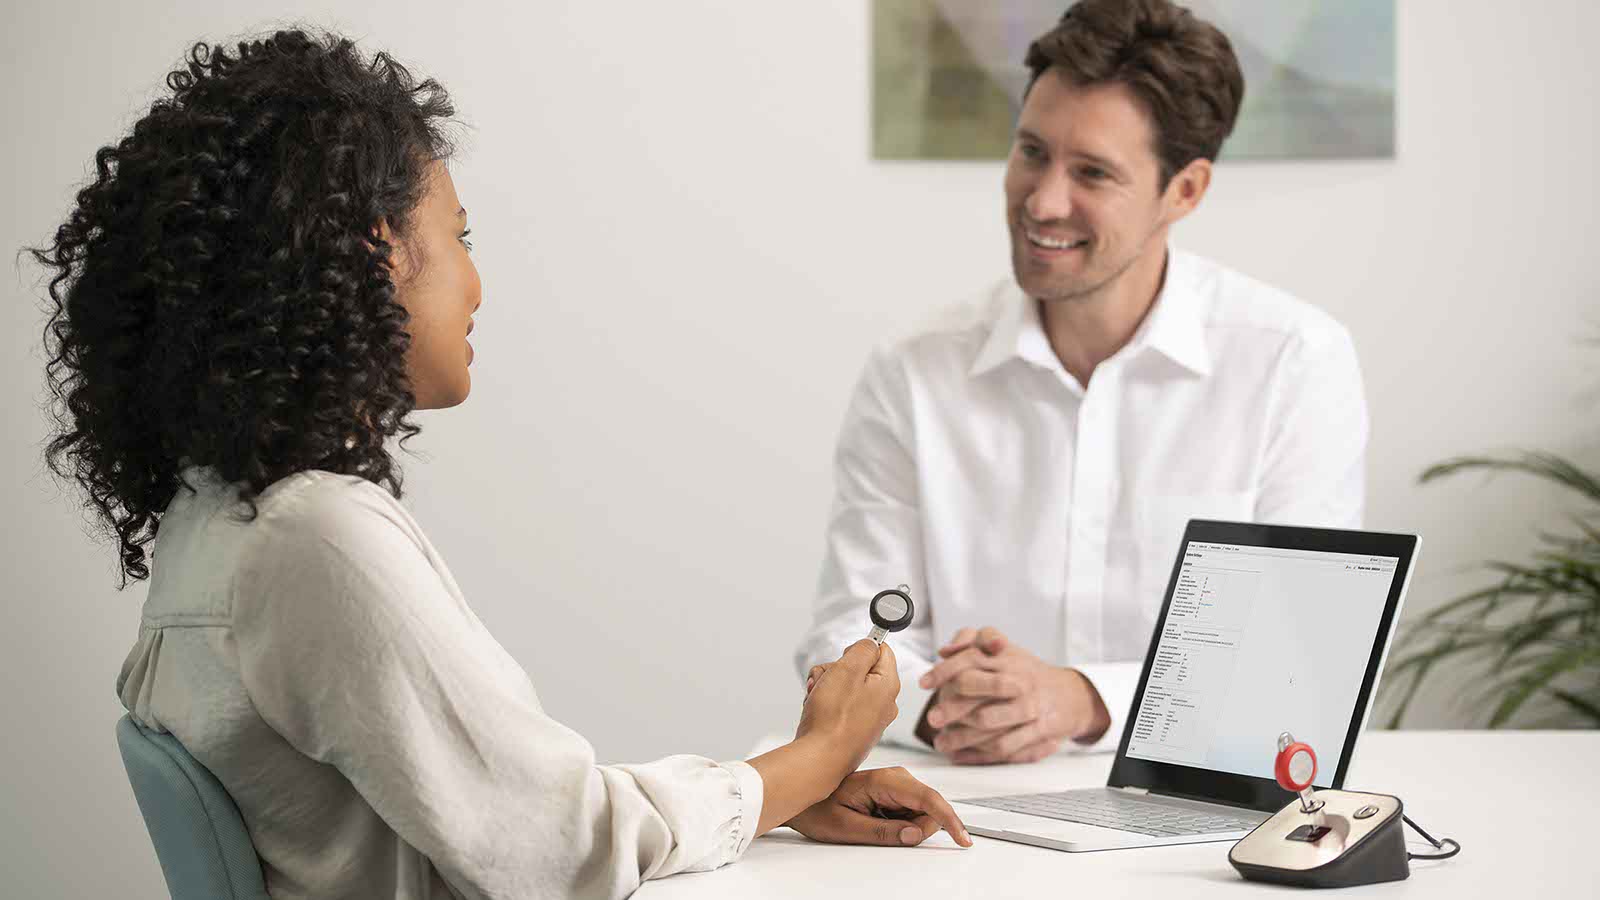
1437,845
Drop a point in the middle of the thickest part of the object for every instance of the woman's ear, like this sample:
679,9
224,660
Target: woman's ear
400,263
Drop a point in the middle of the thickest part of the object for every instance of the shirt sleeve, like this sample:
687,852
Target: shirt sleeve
874,541
1314,461
357,649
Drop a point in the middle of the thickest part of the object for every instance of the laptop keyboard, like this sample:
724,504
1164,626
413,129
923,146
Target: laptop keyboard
1106,809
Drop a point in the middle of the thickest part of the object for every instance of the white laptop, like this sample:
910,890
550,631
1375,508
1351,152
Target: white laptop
1264,629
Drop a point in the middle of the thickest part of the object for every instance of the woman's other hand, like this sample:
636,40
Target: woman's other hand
886,807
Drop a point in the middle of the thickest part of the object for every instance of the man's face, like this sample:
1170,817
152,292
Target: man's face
1083,193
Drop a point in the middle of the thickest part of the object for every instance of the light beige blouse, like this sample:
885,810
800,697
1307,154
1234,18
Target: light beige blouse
321,661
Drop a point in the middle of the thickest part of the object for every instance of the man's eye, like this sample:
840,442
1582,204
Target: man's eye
1094,173
1031,151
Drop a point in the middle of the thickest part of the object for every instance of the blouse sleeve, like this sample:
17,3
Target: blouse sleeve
359,650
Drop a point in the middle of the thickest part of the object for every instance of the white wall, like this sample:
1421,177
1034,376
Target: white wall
686,254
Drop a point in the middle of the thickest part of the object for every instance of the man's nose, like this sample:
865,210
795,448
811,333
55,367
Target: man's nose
1051,198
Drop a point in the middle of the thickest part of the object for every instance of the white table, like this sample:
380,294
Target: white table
1523,805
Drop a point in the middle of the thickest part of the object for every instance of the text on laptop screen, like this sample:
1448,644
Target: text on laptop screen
1258,641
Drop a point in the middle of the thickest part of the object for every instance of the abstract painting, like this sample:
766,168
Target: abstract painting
1319,75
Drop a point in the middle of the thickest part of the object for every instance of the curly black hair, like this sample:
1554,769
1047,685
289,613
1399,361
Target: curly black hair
221,293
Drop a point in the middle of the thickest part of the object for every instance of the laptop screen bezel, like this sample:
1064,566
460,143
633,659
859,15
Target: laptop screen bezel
1246,790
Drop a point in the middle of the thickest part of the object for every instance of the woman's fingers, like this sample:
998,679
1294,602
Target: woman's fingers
883,832
849,826
885,664
882,807
812,676
896,789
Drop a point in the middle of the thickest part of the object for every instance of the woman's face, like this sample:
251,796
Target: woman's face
438,285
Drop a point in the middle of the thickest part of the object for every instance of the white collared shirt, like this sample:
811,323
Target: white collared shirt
972,467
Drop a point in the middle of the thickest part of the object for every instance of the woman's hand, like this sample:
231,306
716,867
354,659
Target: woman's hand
851,701
886,807
850,704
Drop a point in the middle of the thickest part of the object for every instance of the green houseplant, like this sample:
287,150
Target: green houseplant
1535,632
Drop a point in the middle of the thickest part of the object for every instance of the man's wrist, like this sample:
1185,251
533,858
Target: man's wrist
1099,719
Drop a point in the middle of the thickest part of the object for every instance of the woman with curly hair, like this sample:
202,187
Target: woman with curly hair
258,286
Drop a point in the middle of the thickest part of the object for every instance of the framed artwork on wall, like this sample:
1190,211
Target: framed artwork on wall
947,75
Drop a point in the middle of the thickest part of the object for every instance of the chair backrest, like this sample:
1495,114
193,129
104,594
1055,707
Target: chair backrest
200,839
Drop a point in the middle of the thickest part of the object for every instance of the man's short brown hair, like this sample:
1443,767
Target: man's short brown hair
1181,68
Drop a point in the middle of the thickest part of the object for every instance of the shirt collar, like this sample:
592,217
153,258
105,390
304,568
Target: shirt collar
1017,334
1174,327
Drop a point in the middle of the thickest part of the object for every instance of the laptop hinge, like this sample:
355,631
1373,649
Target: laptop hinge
1133,790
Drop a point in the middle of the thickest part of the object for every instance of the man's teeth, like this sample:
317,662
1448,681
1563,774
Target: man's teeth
1055,243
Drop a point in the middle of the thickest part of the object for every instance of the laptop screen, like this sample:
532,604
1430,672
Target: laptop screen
1258,641
1263,629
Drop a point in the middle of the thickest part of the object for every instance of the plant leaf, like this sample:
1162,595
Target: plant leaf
1525,686
1582,705
1540,465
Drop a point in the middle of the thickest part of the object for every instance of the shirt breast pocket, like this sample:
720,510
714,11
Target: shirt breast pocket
1161,521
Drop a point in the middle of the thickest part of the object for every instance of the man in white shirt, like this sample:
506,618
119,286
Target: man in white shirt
1027,462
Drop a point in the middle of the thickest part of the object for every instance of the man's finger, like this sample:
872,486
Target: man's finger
951,709
976,756
946,669
985,744
992,640
990,752
985,684
955,738
1010,741
960,641
1003,714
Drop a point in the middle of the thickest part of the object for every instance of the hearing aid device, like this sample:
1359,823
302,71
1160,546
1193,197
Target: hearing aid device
890,611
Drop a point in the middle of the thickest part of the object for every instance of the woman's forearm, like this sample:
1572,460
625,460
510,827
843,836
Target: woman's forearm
795,776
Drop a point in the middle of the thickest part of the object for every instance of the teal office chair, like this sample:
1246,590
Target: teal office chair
200,839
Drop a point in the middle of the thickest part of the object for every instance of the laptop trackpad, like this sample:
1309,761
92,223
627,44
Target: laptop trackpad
985,819
990,819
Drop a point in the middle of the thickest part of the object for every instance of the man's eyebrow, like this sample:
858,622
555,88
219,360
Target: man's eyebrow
1096,159
1100,161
